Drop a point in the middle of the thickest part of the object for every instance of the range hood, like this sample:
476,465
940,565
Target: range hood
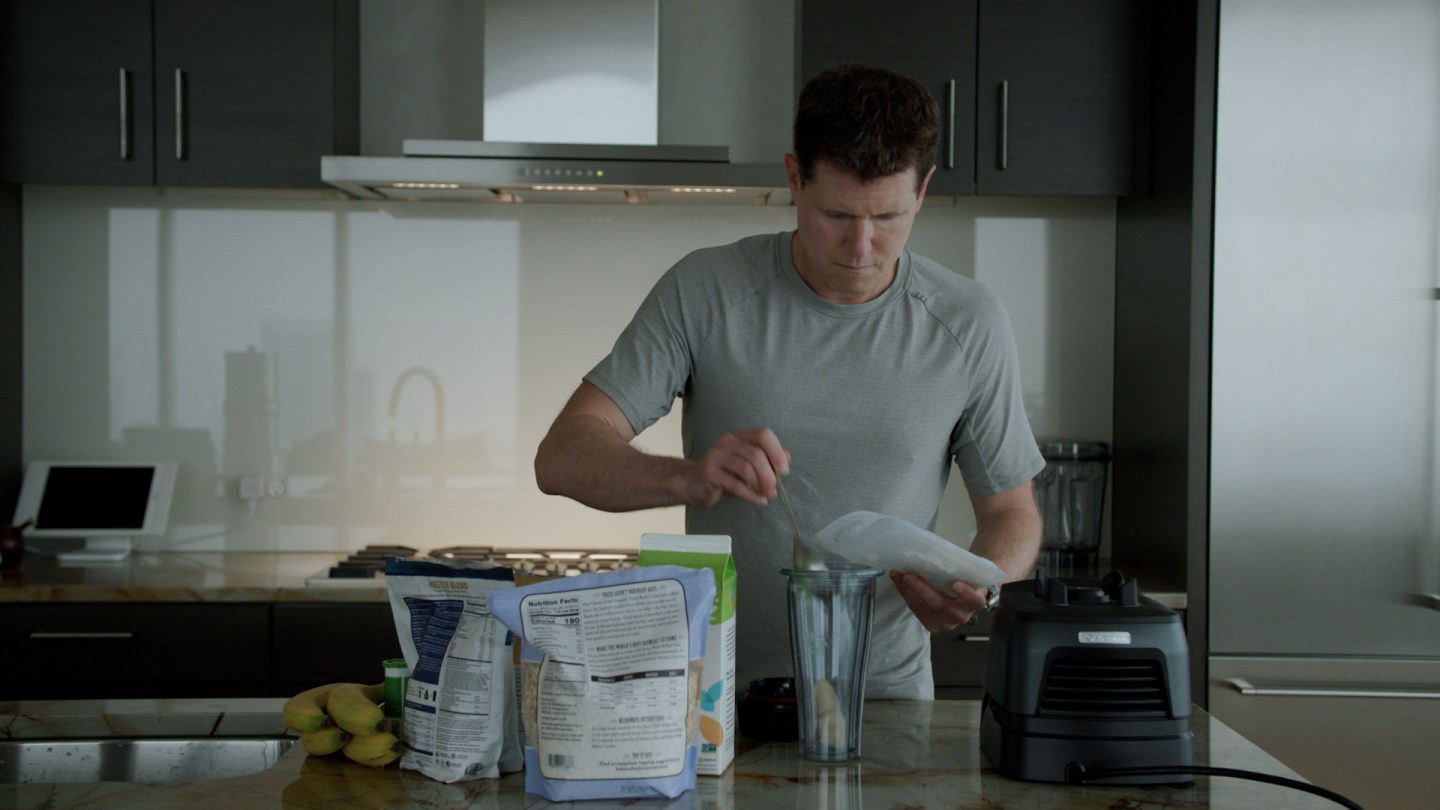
498,171
571,114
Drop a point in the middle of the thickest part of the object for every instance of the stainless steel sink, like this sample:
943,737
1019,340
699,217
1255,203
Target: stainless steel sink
127,760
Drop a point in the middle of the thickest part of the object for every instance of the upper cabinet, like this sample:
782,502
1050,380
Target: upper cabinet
1037,97
178,92
77,93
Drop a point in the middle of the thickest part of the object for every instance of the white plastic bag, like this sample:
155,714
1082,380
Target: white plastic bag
612,663
887,543
461,721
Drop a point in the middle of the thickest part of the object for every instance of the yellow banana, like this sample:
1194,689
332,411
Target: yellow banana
356,708
327,740
306,711
376,750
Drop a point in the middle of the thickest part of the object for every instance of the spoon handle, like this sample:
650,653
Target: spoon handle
804,558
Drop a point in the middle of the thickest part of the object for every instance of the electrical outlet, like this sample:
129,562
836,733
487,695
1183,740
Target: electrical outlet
252,488
275,488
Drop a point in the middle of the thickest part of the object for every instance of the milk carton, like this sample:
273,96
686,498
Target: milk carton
715,733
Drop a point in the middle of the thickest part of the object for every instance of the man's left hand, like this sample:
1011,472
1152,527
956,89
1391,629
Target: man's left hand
937,610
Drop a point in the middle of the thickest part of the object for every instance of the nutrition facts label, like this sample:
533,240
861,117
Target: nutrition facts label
614,688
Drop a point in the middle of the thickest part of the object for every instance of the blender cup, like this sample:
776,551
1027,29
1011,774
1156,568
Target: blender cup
830,618
1070,493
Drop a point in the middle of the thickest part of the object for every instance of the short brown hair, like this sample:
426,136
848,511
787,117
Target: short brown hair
868,122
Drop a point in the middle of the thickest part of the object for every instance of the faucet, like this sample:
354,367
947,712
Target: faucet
421,371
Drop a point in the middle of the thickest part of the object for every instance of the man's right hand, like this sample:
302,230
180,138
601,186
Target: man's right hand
745,464
588,456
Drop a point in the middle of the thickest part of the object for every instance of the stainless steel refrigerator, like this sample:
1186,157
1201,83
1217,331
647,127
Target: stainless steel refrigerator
1325,420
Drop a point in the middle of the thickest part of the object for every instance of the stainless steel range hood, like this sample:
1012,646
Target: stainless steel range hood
492,171
570,115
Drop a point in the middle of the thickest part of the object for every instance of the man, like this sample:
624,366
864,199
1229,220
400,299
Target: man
834,357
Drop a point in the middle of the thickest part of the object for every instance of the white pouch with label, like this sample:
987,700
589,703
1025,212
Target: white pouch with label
887,543
460,718
612,664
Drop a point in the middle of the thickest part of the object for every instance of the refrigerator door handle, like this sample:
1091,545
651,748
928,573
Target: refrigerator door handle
1244,687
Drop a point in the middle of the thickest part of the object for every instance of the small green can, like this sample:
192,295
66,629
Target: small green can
397,678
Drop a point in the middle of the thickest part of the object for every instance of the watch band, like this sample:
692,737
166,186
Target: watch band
992,598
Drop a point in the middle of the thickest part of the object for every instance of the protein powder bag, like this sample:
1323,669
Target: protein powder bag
611,664
460,718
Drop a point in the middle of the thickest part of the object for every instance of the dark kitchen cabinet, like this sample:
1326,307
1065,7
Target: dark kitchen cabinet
179,92
930,40
957,658
76,84
153,650
315,643
1037,97
174,650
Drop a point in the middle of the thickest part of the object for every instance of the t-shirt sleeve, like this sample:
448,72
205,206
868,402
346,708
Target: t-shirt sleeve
993,445
650,363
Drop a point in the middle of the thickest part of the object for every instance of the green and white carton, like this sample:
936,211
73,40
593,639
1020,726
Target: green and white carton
715,733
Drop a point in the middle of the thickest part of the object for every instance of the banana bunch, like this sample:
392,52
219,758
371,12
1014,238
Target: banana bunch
344,717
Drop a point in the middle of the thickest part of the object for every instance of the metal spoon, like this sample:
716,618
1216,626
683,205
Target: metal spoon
805,558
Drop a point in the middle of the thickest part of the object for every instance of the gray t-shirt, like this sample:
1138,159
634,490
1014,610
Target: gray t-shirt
872,400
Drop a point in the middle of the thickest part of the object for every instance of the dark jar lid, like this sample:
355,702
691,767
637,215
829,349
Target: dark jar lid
768,710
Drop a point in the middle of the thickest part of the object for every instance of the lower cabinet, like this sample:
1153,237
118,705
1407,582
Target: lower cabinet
958,660
125,650
180,650
314,643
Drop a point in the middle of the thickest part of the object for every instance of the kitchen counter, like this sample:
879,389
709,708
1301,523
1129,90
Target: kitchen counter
916,754
185,577
257,577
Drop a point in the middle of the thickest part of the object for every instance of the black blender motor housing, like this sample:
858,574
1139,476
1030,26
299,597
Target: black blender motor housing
1087,673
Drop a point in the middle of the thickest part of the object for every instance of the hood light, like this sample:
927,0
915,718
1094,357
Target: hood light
564,188
426,185
695,190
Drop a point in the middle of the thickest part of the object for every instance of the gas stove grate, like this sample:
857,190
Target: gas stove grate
368,563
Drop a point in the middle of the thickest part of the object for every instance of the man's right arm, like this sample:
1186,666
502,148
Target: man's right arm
588,456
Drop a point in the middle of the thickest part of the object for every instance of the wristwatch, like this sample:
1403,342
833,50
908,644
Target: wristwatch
992,598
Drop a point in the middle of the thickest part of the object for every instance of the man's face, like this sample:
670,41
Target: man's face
849,233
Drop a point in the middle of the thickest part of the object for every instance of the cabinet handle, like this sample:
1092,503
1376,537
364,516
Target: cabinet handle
1004,125
980,639
1244,687
83,634
179,114
950,146
124,114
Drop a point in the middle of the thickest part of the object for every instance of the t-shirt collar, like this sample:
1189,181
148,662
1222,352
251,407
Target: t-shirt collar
787,270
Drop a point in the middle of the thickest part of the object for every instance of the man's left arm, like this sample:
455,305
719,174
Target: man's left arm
1008,530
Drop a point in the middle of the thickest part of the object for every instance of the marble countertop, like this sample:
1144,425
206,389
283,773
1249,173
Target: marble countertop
254,577
185,577
915,754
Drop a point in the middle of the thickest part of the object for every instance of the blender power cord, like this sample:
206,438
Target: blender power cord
1076,774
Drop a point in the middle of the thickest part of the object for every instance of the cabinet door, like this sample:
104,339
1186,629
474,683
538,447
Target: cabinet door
317,643
251,94
75,85
108,650
1063,97
957,658
931,40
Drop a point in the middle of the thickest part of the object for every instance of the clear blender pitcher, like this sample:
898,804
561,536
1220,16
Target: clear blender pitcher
831,611
1070,493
